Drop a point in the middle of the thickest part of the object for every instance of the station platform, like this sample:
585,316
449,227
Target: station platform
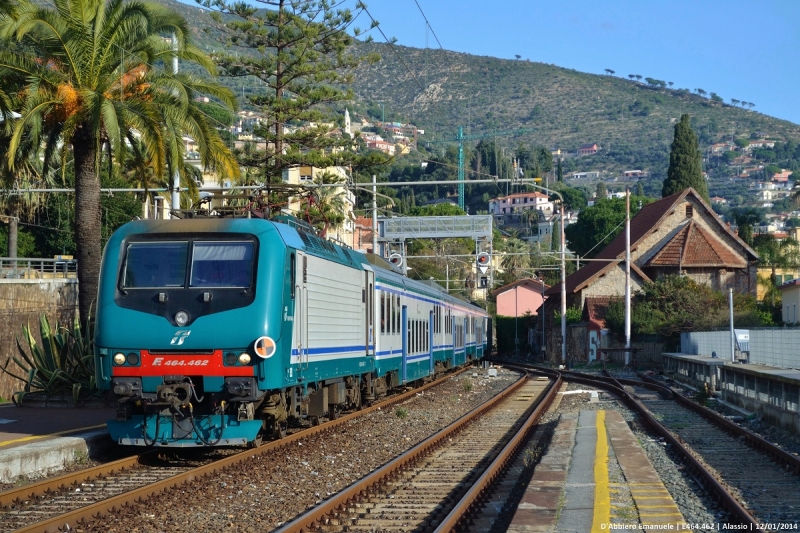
772,392
35,440
571,489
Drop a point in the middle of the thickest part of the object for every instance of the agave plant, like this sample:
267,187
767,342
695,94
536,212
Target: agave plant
62,364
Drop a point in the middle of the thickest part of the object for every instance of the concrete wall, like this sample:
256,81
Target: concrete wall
21,302
772,347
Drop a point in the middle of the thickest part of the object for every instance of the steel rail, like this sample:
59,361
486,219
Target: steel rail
337,503
12,496
727,499
778,454
476,494
101,508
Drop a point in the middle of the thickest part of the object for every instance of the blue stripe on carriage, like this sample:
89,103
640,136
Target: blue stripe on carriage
329,350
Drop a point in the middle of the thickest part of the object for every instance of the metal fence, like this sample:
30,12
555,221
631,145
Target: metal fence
772,347
37,268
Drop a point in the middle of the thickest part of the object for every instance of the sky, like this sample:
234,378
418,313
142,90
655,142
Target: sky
738,49
743,49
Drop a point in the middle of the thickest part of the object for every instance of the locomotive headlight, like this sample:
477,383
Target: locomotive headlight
119,358
264,347
181,318
244,358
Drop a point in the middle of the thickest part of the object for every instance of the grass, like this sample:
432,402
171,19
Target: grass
467,384
401,412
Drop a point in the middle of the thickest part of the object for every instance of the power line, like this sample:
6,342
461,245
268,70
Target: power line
429,24
394,49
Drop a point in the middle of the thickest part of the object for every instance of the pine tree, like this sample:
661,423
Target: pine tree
685,162
301,52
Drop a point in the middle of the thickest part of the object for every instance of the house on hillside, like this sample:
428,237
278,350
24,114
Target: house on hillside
588,149
518,202
677,235
634,174
590,175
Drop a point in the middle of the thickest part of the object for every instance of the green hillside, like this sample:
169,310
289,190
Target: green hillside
631,121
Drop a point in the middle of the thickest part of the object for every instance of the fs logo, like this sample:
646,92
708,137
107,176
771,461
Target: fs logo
180,336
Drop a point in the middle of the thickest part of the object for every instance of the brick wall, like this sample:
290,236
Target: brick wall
22,302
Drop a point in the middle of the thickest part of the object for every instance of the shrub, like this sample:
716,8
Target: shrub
62,364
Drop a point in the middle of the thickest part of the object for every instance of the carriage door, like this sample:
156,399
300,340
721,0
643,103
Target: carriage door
368,299
300,290
464,337
431,318
453,330
404,335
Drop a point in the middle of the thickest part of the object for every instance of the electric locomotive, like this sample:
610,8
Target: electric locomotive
220,331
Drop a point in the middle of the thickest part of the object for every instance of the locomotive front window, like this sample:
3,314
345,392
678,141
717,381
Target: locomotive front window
222,264
155,265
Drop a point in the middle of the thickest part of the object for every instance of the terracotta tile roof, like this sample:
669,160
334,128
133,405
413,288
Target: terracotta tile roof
789,284
693,246
646,220
596,307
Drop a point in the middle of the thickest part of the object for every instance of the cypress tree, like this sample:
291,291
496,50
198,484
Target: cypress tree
560,171
685,162
602,192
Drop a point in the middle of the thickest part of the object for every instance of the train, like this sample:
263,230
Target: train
224,331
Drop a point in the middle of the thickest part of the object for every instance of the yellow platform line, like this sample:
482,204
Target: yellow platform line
602,498
60,433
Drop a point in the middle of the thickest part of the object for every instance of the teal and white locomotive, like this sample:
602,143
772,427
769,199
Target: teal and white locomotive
219,331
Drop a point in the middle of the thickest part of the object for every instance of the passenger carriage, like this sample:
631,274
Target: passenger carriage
218,331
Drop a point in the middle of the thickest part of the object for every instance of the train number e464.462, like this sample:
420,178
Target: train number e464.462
159,361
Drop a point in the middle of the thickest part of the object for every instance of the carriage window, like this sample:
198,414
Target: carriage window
155,265
383,312
222,264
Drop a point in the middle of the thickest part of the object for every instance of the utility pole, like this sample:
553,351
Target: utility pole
374,216
176,175
460,138
627,275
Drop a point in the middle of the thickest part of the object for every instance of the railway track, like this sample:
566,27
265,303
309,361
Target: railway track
80,498
768,490
40,506
757,481
434,485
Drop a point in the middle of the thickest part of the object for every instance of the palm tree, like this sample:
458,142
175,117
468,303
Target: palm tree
517,257
89,88
325,206
783,254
